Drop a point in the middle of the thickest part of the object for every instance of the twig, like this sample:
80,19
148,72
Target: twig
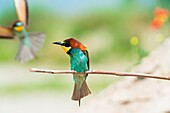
101,72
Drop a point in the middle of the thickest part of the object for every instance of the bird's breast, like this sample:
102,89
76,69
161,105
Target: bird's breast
20,35
78,60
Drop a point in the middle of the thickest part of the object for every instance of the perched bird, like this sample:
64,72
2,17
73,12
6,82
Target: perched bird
30,43
79,59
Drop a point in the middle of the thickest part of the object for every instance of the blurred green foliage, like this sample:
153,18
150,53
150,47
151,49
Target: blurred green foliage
118,26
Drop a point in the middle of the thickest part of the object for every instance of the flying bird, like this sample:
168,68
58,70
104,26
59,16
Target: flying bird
29,43
79,59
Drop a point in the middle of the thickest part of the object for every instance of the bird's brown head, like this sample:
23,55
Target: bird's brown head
71,43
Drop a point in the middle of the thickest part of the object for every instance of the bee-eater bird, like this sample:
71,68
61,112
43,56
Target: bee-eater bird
30,43
79,59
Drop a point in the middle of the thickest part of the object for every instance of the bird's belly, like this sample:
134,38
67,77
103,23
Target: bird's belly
79,77
19,35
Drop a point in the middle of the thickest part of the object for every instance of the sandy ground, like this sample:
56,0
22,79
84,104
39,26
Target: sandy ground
37,103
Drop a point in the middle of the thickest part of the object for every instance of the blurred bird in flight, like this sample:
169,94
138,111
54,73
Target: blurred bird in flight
79,59
30,43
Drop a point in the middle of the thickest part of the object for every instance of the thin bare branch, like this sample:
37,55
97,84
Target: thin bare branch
100,72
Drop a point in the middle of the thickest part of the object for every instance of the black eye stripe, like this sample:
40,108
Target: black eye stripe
66,44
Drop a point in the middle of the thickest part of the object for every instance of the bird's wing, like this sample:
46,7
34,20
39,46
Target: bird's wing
87,55
88,62
22,10
6,33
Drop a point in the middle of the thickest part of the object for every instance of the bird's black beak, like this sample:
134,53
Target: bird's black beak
58,43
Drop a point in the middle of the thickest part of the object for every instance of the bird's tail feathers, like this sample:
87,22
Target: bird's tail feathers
37,40
80,93
84,90
26,53
76,93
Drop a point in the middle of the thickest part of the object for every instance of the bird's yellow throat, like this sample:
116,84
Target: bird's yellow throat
66,49
18,28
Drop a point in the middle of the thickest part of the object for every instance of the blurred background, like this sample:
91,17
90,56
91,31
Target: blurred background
118,34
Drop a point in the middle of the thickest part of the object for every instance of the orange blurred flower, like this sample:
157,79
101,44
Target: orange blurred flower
162,13
157,23
161,16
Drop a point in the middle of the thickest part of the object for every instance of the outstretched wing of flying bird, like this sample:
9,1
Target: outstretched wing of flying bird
6,33
22,10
